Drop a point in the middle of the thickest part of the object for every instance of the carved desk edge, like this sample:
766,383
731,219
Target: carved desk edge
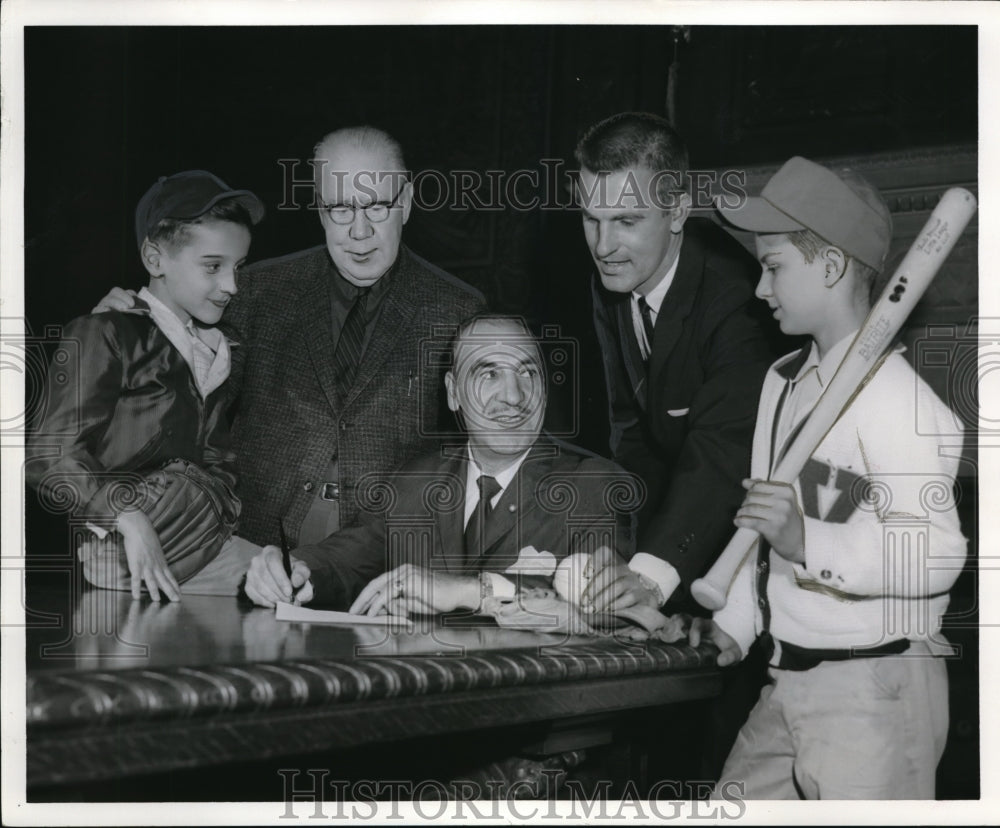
98,699
71,756
93,726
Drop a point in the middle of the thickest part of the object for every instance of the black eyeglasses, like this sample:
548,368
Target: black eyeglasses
375,212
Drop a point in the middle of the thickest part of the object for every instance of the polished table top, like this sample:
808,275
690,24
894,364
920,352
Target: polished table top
172,670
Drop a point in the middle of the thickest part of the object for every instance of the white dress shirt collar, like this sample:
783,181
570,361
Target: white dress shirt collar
473,472
655,301
656,296
825,368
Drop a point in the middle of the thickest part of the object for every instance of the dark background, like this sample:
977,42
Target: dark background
108,110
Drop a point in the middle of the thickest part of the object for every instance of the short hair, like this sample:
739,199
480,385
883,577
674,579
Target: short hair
173,232
489,316
809,244
364,138
635,139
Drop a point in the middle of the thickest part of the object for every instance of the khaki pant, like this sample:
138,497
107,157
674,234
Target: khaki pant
867,728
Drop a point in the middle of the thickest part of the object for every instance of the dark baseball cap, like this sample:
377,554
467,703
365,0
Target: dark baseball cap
187,195
844,209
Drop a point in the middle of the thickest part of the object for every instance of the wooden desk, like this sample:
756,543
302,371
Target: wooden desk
117,687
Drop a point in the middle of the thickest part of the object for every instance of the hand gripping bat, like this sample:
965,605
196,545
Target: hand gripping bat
901,294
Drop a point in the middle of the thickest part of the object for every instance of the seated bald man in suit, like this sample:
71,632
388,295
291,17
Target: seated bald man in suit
482,517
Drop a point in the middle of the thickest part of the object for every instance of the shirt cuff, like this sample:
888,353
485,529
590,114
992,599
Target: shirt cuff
502,588
657,570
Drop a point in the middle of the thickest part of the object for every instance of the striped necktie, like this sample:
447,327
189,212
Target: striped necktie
647,322
347,357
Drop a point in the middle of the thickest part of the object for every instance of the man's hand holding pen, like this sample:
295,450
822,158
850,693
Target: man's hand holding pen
268,581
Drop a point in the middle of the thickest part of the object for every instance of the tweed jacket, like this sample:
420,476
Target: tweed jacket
292,417
562,499
684,420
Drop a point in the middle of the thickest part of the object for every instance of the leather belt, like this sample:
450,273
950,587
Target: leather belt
793,657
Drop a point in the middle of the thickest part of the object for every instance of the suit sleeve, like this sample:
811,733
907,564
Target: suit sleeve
605,515
80,404
343,564
693,520
235,325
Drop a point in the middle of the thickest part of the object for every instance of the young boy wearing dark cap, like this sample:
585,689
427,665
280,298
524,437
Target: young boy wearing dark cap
850,579
136,433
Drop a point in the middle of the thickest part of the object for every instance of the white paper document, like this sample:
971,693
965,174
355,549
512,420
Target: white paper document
293,612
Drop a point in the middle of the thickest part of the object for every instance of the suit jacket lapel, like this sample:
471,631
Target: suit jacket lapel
317,327
518,503
634,365
394,317
450,541
676,306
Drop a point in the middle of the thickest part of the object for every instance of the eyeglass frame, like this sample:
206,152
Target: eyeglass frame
353,208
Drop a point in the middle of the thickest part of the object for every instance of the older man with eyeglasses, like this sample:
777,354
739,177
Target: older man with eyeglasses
330,377
332,383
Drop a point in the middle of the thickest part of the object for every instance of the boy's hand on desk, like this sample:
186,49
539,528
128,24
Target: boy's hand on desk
729,650
772,510
145,557
117,299
408,589
267,583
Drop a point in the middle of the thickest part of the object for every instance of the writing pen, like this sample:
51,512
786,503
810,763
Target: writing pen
286,558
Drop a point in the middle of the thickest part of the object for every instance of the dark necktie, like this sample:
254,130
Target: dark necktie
351,343
647,322
476,529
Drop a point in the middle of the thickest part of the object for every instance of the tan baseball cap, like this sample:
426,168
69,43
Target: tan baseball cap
842,208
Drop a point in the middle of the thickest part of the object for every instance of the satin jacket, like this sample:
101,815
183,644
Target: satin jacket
120,399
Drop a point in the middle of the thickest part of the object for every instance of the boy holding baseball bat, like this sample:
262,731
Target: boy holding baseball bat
850,578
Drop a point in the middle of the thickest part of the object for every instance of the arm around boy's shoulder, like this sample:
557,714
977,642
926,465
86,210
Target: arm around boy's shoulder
267,304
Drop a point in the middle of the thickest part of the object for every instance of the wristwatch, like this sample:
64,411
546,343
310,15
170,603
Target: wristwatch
485,589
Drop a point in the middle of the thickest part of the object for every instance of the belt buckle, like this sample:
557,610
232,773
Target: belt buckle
330,491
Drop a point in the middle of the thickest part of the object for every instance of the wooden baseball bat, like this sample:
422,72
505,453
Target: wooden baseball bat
901,294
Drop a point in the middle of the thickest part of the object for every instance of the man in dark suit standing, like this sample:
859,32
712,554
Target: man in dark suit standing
683,358
482,517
